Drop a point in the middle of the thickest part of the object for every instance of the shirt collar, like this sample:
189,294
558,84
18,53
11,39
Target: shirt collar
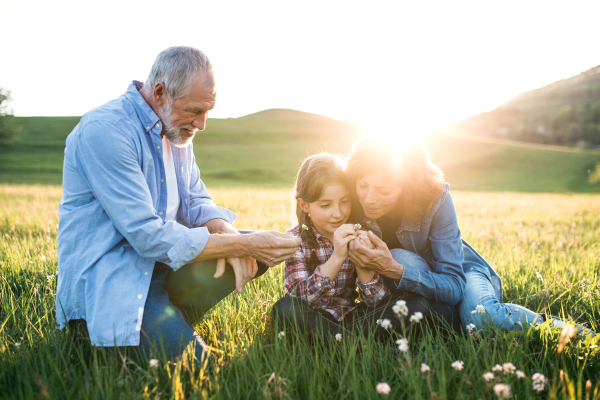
144,111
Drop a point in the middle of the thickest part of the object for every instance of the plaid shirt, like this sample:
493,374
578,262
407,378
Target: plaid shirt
337,296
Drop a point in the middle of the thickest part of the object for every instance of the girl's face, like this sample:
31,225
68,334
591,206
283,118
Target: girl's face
377,195
330,211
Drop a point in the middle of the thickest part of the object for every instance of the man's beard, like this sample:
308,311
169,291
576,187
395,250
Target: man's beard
173,133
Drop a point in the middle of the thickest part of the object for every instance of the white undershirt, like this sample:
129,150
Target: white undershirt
171,178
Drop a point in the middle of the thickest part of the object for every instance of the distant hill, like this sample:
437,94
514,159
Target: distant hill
566,112
265,149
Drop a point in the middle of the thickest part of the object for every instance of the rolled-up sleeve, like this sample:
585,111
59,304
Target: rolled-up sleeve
374,291
107,157
446,282
202,208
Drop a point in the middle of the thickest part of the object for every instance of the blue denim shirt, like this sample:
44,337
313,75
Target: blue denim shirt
112,229
436,238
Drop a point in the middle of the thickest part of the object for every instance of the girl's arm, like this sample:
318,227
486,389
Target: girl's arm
373,291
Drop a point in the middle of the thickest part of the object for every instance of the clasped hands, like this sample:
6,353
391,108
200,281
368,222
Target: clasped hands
368,252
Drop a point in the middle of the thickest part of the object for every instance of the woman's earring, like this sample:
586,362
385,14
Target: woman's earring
308,215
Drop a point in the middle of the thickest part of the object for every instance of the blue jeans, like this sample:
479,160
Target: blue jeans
478,291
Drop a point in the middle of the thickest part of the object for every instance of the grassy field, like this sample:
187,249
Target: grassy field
520,234
265,150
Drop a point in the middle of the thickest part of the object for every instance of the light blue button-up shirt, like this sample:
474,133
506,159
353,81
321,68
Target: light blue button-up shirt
112,228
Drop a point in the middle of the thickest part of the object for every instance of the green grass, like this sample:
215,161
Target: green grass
520,234
265,150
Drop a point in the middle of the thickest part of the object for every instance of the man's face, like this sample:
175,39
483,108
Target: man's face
186,115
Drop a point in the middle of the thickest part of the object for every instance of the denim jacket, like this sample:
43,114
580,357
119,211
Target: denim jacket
436,238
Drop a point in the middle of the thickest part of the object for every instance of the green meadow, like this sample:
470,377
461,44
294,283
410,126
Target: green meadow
265,150
530,210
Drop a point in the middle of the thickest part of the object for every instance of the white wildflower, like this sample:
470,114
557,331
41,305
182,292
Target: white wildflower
497,368
488,376
386,324
49,278
470,327
538,381
280,335
43,257
458,365
383,388
416,317
479,310
424,368
520,374
154,363
338,337
508,368
400,308
502,390
540,277
17,344
402,345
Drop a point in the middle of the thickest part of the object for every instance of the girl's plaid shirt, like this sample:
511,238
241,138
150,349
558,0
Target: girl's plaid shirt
337,296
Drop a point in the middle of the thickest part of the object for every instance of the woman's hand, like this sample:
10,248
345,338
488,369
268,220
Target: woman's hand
341,237
364,238
378,260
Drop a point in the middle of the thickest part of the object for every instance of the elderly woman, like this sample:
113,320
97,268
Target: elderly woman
402,199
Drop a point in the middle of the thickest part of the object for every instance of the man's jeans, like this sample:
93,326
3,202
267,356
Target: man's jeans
478,292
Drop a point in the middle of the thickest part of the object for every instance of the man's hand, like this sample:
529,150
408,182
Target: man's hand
272,247
379,259
245,270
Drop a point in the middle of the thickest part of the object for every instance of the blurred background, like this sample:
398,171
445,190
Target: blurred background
506,95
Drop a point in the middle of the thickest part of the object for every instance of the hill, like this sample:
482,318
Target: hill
566,112
265,149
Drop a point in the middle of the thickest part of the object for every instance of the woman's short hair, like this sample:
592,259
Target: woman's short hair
407,163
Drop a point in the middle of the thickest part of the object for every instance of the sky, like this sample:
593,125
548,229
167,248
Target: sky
404,64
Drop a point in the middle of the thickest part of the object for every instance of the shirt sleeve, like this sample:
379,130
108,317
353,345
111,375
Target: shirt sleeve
446,282
300,283
107,156
202,208
374,291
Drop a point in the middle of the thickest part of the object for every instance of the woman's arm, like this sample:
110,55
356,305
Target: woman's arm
446,283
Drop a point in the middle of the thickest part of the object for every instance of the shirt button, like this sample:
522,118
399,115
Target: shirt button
160,213
162,180
140,296
157,124
158,147
147,127
146,273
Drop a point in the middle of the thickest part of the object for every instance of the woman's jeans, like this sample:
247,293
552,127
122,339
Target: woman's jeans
478,292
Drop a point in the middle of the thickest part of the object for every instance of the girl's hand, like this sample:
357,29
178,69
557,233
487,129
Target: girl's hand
364,239
342,236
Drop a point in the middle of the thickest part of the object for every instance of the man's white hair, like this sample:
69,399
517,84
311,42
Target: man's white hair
177,67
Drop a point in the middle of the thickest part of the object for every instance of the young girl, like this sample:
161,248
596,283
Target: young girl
320,280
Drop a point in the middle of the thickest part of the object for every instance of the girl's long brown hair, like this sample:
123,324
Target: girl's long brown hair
406,163
315,174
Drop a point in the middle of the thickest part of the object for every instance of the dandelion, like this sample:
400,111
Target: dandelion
383,388
338,337
479,310
17,344
402,345
458,365
400,308
470,327
566,334
424,368
488,376
154,363
539,382
49,278
497,368
520,374
502,390
386,324
508,368
416,317
280,335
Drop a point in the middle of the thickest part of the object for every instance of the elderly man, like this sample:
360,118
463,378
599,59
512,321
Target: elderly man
139,235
